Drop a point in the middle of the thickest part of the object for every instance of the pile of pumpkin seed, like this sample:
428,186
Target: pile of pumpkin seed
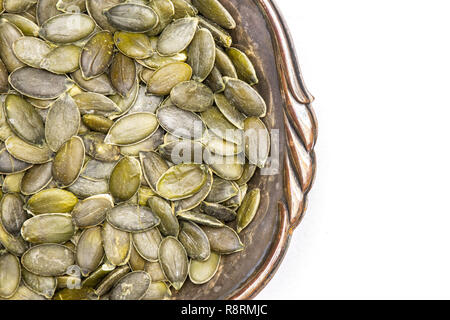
104,105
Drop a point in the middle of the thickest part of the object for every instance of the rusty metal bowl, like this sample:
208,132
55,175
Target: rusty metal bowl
264,36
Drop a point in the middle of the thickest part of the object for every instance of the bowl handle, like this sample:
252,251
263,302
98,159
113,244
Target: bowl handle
301,136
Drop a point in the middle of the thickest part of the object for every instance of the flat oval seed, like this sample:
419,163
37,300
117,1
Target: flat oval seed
97,123
94,103
117,245
132,129
4,85
39,84
247,175
223,240
184,151
220,126
97,55
48,259
194,241
228,168
156,61
132,17
196,199
165,11
92,211
45,9
123,74
257,141
221,147
63,59
97,148
67,28
244,67
62,122
181,123
45,286
183,9
48,228
9,275
97,170
51,201
133,45
155,271
89,253
8,34
125,179
17,6
229,111
225,65
110,280
169,223
71,5
125,103
215,11
245,98
132,218
221,36
101,84
15,245
24,120
202,54
95,9
222,190
157,291
24,293
137,263
182,181
145,102
177,36
12,214
167,77
31,51
153,166
248,209
192,96
36,179
68,162
215,81
147,244
131,287
10,165
174,262
200,219
201,272
218,211
29,153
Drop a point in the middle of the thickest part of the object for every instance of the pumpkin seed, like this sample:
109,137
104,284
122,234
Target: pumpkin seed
27,26
40,104
147,244
248,209
84,188
71,5
174,262
156,61
51,201
89,253
229,111
247,175
4,85
67,28
235,202
192,96
137,263
5,130
62,122
222,190
68,162
257,141
133,286
17,6
223,240
97,170
132,17
14,244
11,183
29,153
218,211
125,179
63,59
101,84
183,9
182,181
98,275
181,123
96,55
221,147
184,151
46,9
125,103
9,33
117,245
153,166
201,272
228,168
97,123
133,45
45,286
97,148
23,293
167,77
131,218
94,103
200,219
36,179
169,224
144,193
202,54
177,36
123,74
48,260
96,8
92,211
157,291
111,279
215,81
225,65
192,202
244,67
215,11
245,98
12,214
220,126
76,294
194,241
147,145
9,275
220,35
132,129
48,228
165,11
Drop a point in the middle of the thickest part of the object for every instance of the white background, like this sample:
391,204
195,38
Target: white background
378,224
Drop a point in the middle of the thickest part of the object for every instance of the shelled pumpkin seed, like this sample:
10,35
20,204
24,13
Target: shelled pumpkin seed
129,133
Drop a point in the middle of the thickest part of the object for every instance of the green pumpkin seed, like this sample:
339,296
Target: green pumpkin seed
177,36
36,179
182,181
218,211
98,275
9,33
67,28
132,129
247,175
154,270
48,260
219,34
92,211
29,153
235,202
183,9
24,120
123,74
12,214
174,262
46,9
202,54
244,67
17,6
89,253
97,55
131,218
229,111
153,166
97,170
225,65
248,209
133,45
96,8
48,228
101,84
76,294
184,151
71,5
201,272
215,81
137,263
215,11
132,17
125,103
45,286
257,141
192,96
133,286
111,279
245,98
165,11
221,147
4,85
11,183
125,179
94,103
169,224
62,122
97,123
27,26
223,240
145,74
51,201
145,103
156,61
222,190
31,51
40,104
192,202
5,129
144,193
157,291
117,245
221,127
147,145
63,59
194,241
14,244
97,148
167,77
24,293
147,244
228,168
68,162
200,219
9,275
181,123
